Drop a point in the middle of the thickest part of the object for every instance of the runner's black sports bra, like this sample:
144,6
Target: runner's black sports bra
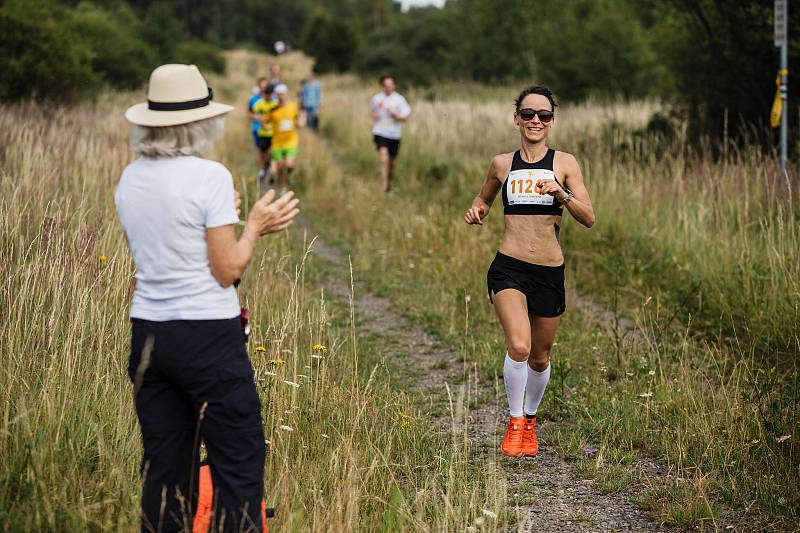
519,189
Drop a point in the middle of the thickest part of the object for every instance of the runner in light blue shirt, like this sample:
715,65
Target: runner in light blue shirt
311,96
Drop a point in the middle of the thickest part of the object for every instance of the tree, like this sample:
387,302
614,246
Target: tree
330,40
119,56
596,48
724,62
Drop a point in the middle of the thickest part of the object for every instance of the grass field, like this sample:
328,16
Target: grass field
345,450
702,255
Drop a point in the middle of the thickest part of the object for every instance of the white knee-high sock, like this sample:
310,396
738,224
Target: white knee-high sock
515,377
534,389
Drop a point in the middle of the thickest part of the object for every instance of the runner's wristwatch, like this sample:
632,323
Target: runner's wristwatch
568,198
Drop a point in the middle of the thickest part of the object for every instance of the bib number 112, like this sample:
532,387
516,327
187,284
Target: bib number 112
523,186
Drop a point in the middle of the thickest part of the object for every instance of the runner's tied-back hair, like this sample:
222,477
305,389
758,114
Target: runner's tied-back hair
535,89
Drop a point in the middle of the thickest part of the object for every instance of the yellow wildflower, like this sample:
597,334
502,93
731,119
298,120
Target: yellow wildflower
403,418
276,362
103,258
260,349
319,348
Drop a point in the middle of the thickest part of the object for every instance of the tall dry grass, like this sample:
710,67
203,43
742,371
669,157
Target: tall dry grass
703,254
347,449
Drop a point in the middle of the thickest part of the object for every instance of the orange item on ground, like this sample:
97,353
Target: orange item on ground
512,443
530,445
205,504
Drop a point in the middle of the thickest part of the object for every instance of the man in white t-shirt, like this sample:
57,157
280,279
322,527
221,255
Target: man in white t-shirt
389,110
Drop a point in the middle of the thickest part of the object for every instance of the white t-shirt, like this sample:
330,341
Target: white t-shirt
165,206
386,125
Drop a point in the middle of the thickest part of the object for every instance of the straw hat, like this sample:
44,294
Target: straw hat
177,94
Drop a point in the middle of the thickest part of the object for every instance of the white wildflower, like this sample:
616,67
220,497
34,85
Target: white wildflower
647,394
490,514
287,428
292,383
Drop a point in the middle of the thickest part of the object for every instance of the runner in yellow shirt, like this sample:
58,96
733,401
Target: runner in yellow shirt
284,119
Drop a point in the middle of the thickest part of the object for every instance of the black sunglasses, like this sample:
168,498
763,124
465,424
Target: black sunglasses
544,115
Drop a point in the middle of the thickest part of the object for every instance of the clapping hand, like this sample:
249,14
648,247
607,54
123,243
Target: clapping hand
269,215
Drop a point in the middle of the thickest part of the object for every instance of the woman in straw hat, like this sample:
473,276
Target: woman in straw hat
192,377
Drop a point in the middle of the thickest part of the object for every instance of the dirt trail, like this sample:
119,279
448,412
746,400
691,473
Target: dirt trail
548,495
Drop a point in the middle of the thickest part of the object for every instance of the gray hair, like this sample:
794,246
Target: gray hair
194,138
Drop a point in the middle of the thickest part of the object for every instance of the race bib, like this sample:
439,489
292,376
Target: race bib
521,187
285,125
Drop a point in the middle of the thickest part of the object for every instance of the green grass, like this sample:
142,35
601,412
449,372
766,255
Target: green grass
679,505
358,454
702,255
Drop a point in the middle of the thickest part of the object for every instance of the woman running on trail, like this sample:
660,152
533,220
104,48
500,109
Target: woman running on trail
526,278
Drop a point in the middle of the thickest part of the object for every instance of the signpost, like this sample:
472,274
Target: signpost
781,21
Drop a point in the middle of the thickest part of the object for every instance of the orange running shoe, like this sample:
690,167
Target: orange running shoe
530,446
512,444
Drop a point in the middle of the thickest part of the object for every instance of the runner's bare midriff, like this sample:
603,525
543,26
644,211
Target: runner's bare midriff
532,239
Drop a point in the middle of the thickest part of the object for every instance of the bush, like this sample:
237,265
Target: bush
205,56
50,51
39,55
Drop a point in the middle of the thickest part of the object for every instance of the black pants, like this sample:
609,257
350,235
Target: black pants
197,384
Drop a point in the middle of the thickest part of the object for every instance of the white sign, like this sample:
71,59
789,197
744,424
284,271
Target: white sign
523,186
780,22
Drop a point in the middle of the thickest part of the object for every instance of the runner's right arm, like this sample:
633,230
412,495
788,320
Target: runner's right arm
373,112
491,186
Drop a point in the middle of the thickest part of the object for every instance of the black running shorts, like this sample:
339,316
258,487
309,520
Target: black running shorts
393,145
543,286
263,143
